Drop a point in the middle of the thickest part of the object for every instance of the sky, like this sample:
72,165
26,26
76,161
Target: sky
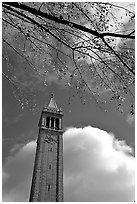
98,150
99,163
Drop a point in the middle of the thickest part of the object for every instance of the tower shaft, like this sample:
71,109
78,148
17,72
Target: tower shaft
47,181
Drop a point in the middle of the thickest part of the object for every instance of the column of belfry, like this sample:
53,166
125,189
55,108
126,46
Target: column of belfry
47,180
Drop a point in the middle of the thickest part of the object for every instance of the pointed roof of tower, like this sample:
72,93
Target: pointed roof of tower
52,106
52,103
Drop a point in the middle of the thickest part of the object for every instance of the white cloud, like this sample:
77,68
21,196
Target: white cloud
97,167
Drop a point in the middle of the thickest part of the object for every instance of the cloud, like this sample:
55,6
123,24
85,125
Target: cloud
131,119
97,168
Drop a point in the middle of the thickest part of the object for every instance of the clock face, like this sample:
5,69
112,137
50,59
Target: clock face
50,138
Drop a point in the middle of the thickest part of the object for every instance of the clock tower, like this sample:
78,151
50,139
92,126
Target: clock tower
47,180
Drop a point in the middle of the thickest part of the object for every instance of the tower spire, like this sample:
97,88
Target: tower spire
52,106
52,103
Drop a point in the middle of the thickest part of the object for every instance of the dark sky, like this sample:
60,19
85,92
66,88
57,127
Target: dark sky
17,121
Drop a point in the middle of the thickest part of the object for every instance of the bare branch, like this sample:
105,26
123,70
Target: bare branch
113,51
61,21
75,43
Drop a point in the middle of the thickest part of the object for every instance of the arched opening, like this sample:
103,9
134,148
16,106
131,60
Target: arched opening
52,123
50,166
47,122
57,123
49,187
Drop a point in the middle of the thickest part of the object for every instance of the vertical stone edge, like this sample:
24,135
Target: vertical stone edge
60,169
34,193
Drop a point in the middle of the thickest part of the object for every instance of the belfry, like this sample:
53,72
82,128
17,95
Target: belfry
47,180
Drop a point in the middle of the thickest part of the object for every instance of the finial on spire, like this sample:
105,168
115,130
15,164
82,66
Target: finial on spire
52,95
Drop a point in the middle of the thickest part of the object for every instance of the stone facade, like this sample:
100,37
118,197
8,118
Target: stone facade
47,181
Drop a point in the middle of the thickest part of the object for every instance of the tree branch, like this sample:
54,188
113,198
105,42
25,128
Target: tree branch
61,21
113,51
37,23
